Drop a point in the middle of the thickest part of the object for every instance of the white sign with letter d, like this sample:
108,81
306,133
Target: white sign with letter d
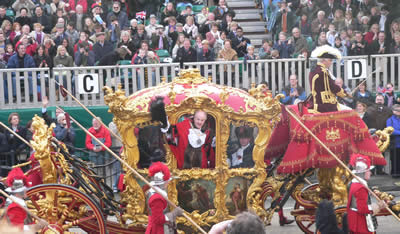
88,83
357,69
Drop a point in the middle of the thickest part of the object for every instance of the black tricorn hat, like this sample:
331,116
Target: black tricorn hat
244,132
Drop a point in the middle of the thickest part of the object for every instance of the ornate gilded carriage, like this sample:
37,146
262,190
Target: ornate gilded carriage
228,107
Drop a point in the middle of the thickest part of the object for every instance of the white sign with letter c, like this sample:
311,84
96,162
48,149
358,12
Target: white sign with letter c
88,83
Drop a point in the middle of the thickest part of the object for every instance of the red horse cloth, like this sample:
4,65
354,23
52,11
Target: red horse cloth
343,132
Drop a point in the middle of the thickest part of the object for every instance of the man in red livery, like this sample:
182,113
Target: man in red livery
160,222
360,212
17,184
323,87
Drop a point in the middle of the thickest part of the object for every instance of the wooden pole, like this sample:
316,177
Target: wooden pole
27,210
338,159
91,113
137,174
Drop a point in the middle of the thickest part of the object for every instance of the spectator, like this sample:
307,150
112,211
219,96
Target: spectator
41,59
380,19
213,35
284,46
221,10
57,5
102,47
239,43
128,43
350,7
59,35
391,97
394,121
84,56
298,41
227,53
285,19
245,222
330,9
331,34
178,45
205,27
133,28
58,18
378,46
159,41
364,26
275,54
98,154
6,28
349,20
9,52
98,29
186,53
72,5
50,48
42,19
143,46
37,34
89,26
338,21
240,156
169,11
170,31
190,29
342,48
153,59
265,51
141,57
2,41
19,4
116,144
219,43
16,145
30,44
68,47
114,30
358,46
363,95
198,42
304,26
232,30
320,24
23,18
366,5
361,109
140,37
113,57
71,33
347,101
181,18
226,22
308,9
202,17
205,54
64,132
78,18
45,7
24,32
378,113
83,37
394,27
395,47
372,34
152,27
293,92
99,14
3,16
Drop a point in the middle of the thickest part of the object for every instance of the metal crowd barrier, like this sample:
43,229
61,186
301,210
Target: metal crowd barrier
23,88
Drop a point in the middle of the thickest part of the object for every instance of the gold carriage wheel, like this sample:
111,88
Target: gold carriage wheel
65,207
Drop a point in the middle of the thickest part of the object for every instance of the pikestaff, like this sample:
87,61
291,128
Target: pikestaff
365,80
338,160
137,174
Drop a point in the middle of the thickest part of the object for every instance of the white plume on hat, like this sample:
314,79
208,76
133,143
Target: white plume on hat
326,49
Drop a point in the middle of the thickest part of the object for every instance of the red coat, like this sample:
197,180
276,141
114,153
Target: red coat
101,133
357,219
72,6
157,205
16,215
183,141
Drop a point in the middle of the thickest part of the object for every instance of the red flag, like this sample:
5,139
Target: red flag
63,93
68,120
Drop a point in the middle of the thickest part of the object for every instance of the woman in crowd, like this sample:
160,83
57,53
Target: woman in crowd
67,46
304,25
338,20
197,42
50,47
169,11
133,27
265,51
83,37
390,96
41,59
6,27
178,44
201,17
219,43
226,23
190,29
363,95
16,31
63,59
14,143
394,27
89,26
127,41
8,52
65,132
361,109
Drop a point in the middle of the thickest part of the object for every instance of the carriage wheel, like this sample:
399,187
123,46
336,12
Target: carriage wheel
65,208
306,221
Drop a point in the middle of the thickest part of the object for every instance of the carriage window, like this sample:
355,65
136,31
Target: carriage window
150,144
192,141
240,147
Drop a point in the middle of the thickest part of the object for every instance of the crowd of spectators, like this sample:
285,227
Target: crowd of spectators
355,27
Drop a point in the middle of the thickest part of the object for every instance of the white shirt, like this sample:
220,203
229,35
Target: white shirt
382,23
237,157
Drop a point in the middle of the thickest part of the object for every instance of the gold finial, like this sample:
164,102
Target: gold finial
253,85
172,94
209,79
163,80
223,95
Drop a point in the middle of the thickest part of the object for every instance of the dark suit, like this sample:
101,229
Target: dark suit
247,161
240,50
101,50
155,42
184,55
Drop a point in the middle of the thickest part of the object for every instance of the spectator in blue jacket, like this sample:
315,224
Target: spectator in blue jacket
84,56
293,92
394,122
65,132
122,17
102,47
20,60
284,46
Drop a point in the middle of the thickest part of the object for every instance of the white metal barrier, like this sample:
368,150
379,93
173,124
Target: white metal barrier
23,88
